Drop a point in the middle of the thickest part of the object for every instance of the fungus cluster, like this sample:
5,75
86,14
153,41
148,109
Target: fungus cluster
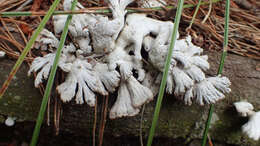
107,55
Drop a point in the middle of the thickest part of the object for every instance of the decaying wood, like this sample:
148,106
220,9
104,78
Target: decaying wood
176,119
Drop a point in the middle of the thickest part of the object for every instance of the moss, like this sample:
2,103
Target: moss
228,129
21,99
2,119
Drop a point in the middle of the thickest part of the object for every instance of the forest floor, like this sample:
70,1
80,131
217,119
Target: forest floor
207,30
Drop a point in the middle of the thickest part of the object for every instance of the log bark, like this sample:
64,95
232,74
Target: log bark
176,120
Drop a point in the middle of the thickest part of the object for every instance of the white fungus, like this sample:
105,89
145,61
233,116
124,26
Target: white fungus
110,79
46,40
252,127
2,54
10,121
244,108
205,92
87,80
139,93
123,105
45,63
106,55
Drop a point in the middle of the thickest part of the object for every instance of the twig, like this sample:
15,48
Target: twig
94,125
23,5
58,117
13,20
13,5
103,121
141,127
210,142
208,14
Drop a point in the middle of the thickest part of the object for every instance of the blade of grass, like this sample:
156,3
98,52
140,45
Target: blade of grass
220,69
28,47
97,10
47,92
165,72
195,14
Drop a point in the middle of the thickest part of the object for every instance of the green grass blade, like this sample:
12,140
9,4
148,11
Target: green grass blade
195,14
129,10
165,72
47,92
221,66
28,47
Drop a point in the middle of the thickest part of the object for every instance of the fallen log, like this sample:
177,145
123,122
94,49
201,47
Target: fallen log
176,120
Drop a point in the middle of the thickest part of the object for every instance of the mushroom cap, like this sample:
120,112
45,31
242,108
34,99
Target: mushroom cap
139,93
123,105
2,54
10,121
205,92
244,108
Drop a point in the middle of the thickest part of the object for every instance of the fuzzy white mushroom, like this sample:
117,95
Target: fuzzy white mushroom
45,63
195,73
87,80
206,91
10,121
110,79
104,32
2,54
125,63
46,40
188,97
252,127
244,108
170,84
77,28
139,93
182,81
59,23
186,69
137,27
119,58
187,54
221,83
123,105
